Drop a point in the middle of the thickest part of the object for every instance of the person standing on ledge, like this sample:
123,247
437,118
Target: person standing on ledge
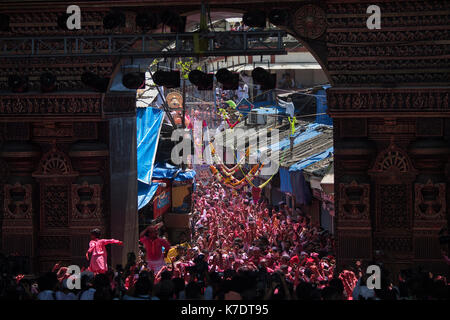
153,248
98,253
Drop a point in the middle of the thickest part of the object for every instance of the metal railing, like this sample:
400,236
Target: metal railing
228,43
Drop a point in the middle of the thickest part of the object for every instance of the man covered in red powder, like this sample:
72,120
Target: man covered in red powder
154,248
98,253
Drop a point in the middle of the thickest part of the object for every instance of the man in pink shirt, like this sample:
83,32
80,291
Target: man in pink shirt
98,253
153,248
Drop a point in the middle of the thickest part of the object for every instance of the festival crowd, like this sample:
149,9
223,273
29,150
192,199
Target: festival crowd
240,249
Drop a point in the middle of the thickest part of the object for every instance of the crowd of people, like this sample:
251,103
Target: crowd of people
239,249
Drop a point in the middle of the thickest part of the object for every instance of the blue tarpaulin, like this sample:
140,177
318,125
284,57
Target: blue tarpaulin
321,103
148,128
146,193
149,121
285,181
289,175
311,132
168,171
311,160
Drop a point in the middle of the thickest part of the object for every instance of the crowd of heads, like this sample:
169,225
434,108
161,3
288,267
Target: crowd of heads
238,249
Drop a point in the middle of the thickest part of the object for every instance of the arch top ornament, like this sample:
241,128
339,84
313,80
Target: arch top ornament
393,161
53,164
310,21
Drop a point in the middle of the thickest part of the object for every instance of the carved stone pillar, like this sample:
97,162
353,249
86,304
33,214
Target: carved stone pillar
18,201
408,185
122,174
353,153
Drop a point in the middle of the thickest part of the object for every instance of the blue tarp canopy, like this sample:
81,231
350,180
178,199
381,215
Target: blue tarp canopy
168,171
311,160
146,193
148,127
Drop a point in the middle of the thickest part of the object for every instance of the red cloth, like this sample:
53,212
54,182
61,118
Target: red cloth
153,247
295,259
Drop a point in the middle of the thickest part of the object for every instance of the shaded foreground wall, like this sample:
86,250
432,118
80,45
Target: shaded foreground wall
64,173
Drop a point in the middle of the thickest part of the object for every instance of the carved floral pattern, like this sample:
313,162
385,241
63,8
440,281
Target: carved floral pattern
86,201
430,200
310,22
18,202
354,201
45,105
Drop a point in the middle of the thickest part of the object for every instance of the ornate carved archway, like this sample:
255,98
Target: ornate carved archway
392,82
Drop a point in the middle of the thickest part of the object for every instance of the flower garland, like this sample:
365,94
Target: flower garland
232,125
264,183
231,181
225,170
226,117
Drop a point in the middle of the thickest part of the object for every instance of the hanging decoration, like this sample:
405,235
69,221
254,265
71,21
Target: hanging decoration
261,186
225,170
231,181
230,114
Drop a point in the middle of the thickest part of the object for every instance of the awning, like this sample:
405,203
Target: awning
148,129
277,66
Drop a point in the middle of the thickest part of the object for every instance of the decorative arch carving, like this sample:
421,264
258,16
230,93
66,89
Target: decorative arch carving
393,161
55,163
310,21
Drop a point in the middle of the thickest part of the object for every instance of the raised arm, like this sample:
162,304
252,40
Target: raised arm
142,234
112,241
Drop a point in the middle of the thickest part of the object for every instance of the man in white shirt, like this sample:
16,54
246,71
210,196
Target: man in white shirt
242,92
289,106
